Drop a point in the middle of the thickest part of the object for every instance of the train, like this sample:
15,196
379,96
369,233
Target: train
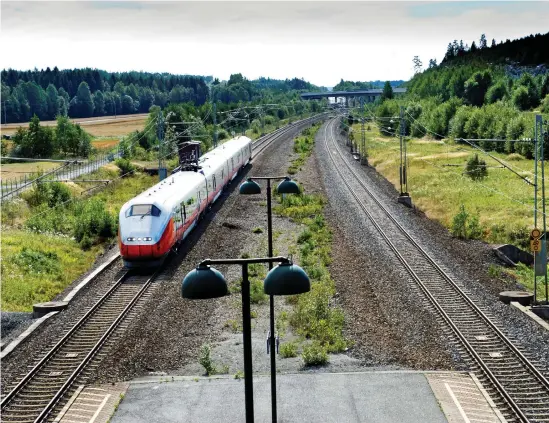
159,219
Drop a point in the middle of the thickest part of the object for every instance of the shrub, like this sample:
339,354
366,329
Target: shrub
521,99
315,355
288,350
37,261
205,360
465,225
257,230
545,104
476,168
125,166
257,296
93,221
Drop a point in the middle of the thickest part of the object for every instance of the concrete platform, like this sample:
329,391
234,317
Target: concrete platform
373,397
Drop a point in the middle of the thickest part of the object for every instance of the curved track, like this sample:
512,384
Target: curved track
520,389
40,394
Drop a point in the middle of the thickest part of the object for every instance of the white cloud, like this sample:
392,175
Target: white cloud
321,41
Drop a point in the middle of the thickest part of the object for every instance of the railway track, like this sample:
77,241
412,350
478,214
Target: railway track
53,379
41,393
518,387
262,143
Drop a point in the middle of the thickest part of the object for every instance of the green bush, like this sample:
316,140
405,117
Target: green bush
257,296
37,262
93,221
545,104
288,350
465,225
476,168
315,355
205,360
125,166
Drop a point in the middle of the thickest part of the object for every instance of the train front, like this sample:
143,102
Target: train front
145,235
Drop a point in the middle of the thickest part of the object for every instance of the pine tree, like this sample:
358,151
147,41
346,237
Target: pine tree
476,168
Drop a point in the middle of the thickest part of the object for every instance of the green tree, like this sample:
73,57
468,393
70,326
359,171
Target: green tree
477,86
99,103
496,92
476,168
71,138
84,102
52,101
35,142
521,98
387,93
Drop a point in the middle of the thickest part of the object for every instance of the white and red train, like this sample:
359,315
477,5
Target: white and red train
159,218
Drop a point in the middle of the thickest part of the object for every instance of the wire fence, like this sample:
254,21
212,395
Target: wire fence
69,170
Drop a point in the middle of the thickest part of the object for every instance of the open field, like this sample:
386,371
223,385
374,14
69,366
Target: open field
18,170
97,126
105,143
504,202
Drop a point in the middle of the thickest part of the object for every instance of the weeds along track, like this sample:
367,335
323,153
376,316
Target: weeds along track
518,387
50,382
42,392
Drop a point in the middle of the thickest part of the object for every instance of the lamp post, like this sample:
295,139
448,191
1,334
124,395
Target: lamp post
287,186
206,282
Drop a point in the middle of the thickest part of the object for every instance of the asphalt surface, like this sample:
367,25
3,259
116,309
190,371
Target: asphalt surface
352,397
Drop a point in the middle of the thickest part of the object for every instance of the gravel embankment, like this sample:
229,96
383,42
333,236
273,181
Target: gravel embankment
386,317
467,262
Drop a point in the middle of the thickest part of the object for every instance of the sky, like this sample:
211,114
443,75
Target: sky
320,41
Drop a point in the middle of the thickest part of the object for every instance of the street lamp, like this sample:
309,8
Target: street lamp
206,282
250,187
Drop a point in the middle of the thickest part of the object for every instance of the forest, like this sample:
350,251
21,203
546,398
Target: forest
478,94
80,93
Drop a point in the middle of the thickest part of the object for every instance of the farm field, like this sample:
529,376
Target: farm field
18,170
97,126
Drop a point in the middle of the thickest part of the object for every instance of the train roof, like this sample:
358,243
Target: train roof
164,193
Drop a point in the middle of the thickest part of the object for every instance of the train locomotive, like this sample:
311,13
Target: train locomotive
155,221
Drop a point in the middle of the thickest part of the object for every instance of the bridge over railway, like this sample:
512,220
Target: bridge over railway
369,95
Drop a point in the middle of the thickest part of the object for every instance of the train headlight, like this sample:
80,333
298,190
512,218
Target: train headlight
130,238
148,238
139,239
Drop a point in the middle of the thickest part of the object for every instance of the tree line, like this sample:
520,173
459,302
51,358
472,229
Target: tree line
82,93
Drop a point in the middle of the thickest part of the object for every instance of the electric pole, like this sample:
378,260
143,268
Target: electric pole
162,173
215,123
404,197
363,155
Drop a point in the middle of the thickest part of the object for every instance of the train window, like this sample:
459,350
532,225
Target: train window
143,210
214,184
183,213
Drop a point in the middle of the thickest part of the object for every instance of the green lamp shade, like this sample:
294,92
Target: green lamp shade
287,186
286,279
250,187
204,282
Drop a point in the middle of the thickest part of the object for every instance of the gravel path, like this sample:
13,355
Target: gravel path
467,262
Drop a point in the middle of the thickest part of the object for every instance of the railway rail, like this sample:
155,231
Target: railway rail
518,387
41,393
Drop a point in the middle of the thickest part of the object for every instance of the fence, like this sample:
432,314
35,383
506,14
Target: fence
69,170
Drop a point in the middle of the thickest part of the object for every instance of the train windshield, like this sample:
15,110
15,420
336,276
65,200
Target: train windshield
143,210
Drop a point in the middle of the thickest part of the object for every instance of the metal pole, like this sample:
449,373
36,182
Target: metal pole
363,155
535,204
271,307
160,139
215,123
247,338
540,134
401,153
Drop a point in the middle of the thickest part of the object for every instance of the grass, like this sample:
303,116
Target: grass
502,202
288,350
439,188
37,267
303,146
